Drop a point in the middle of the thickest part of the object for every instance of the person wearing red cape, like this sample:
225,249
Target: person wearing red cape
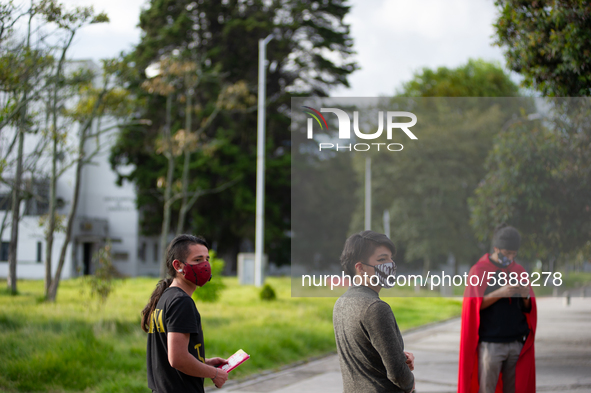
499,317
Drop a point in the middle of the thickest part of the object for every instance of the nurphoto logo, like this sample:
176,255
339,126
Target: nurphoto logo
344,122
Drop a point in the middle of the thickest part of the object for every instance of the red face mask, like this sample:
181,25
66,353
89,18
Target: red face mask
198,274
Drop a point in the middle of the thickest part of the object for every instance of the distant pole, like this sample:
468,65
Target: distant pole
368,194
260,193
387,223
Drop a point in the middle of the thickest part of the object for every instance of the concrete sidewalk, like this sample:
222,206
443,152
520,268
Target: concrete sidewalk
563,357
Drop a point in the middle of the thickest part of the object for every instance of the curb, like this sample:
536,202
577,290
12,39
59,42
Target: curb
288,367
275,371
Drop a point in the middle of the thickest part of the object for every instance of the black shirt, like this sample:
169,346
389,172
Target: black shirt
176,313
503,321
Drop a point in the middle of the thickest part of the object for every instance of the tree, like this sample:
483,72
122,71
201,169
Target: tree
94,103
538,171
23,65
538,180
426,187
224,37
37,74
68,23
548,43
184,141
477,78
322,202
8,21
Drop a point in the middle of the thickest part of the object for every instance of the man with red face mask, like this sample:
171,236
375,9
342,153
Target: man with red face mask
176,354
498,323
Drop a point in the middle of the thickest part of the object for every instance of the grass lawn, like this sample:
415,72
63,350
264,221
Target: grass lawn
74,345
570,280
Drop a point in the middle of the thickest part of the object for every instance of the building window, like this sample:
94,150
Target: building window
39,251
5,202
156,256
141,252
121,256
4,249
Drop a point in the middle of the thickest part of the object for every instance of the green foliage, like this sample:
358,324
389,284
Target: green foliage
212,291
536,180
101,282
321,185
577,279
426,187
549,43
477,78
66,347
267,293
535,176
222,38
43,96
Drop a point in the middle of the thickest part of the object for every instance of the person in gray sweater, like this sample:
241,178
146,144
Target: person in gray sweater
369,343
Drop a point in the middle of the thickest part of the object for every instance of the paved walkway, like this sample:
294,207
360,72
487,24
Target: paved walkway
563,357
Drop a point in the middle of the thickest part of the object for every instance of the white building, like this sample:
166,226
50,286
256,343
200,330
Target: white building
105,213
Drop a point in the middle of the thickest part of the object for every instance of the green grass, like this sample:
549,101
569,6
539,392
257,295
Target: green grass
576,279
74,345
571,280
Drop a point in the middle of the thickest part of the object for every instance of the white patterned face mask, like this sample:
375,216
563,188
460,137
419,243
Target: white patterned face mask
383,271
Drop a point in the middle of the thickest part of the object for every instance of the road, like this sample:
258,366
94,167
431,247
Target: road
563,357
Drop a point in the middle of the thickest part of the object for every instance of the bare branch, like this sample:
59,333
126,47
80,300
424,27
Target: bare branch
196,194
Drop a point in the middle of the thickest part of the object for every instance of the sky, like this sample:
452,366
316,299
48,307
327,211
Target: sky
392,38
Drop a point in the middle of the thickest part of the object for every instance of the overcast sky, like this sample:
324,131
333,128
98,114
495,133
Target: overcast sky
393,38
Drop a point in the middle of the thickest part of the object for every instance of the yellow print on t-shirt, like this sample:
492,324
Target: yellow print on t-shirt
156,322
198,354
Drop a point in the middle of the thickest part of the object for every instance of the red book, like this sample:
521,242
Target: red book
235,360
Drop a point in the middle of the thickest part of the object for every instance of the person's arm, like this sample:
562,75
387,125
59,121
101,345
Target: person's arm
180,358
385,337
491,298
525,296
488,301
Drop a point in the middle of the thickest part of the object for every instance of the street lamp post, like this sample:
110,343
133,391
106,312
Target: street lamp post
368,194
260,190
152,71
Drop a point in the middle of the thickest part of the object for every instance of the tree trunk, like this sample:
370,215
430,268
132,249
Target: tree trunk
51,215
80,161
52,294
185,179
552,263
168,189
16,201
53,182
3,225
16,191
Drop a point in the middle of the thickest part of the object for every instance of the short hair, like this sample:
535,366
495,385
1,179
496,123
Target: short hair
360,246
506,237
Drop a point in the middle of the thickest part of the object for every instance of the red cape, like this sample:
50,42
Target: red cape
525,378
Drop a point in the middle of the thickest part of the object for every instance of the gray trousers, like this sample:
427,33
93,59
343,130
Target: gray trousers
494,358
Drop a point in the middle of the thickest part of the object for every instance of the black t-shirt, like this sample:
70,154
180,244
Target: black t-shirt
176,313
504,320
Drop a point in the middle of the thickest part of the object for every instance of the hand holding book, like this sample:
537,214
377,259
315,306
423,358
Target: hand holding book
235,360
